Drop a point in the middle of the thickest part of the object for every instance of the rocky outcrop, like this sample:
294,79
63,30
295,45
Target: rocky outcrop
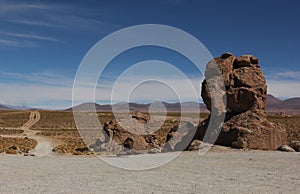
234,90
129,140
139,133
127,134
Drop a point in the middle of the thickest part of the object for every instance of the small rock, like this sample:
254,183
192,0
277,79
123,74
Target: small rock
286,148
295,145
195,145
155,150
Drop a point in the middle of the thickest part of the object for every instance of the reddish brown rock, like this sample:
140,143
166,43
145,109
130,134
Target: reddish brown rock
141,117
127,138
234,90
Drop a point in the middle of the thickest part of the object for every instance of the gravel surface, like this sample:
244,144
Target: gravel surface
215,172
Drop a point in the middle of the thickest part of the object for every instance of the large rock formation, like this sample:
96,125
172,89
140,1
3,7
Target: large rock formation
234,90
129,133
140,133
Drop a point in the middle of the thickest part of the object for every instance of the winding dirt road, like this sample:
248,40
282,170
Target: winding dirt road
34,117
44,145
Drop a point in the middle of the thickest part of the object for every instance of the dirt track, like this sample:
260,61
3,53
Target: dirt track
34,117
45,145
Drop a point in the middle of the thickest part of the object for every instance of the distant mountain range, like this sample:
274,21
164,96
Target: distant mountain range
274,105
2,107
155,107
11,107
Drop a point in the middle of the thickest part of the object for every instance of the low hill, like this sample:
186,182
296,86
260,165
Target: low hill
156,107
2,107
275,105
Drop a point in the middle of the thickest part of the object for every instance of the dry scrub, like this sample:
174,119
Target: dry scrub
11,145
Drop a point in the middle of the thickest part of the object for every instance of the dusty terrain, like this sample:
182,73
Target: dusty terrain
291,124
221,170
57,129
23,139
216,172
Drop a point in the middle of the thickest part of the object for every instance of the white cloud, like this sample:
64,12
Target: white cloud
59,15
285,75
48,78
284,84
16,43
140,89
29,36
34,22
52,90
18,94
284,88
47,14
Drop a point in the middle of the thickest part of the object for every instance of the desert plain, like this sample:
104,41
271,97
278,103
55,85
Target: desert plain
40,155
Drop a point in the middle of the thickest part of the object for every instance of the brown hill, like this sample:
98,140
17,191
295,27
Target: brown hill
275,105
121,107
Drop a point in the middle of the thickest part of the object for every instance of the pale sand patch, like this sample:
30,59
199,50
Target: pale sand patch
221,171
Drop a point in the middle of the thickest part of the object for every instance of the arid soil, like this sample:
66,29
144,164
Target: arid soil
24,140
57,129
291,124
221,171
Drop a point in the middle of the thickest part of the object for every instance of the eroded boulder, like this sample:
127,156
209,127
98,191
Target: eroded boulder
235,90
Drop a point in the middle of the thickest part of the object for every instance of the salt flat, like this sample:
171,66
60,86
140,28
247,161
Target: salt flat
226,171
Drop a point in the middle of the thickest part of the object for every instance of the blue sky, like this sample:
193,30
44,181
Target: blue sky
43,42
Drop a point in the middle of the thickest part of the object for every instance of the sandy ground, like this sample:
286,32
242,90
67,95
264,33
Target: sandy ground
225,171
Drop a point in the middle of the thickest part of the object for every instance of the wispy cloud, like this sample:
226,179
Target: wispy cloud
35,23
286,75
35,15
16,43
56,15
29,36
42,89
32,94
284,88
52,90
49,87
39,78
144,89
284,84
8,42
